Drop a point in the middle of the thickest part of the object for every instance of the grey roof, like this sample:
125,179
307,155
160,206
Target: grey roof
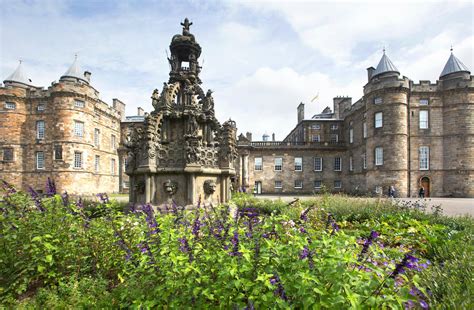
18,76
74,71
453,65
384,66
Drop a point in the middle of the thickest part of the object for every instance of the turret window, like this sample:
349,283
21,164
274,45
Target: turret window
378,100
58,152
424,158
79,103
40,127
39,160
96,137
78,129
378,156
77,160
97,163
8,154
424,101
424,119
378,120
10,105
40,107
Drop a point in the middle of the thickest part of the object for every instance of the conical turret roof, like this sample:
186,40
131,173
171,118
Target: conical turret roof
453,65
74,71
385,65
18,76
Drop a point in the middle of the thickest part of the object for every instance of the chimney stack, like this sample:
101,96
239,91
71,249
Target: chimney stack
140,111
273,136
370,72
300,110
87,76
249,136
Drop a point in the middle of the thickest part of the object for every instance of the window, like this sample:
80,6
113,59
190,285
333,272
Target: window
334,138
316,138
337,184
97,163
78,129
424,101
39,160
364,161
337,164
351,168
424,158
378,120
258,164
58,152
378,100
96,137
298,163
378,156
278,184
8,154
334,127
423,119
77,160
79,103
316,126
298,184
364,129
278,163
318,164
112,166
39,129
10,105
317,184
112,142
351,135
40,107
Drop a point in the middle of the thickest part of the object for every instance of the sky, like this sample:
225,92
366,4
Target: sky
261,58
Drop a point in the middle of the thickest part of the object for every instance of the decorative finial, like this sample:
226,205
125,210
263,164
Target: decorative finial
20,61
383,50
75,56
451,49
186,24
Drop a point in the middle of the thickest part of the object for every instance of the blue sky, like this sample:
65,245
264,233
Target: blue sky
261,58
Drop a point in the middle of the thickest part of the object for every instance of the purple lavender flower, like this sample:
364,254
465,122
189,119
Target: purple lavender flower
65,198
150,219
307,254
407,262
80,204
185,248
373,235
304,214
36,198
235,245
8,188
196,226
104,198
424,305
303,230
279,291
50,188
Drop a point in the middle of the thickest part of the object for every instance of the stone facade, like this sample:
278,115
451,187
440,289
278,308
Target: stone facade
417,120
64,132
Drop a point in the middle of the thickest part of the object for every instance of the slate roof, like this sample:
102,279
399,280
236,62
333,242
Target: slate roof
74,71
385,65
453,65
18,76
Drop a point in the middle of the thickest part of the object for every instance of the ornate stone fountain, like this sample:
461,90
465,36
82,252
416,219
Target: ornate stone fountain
181,152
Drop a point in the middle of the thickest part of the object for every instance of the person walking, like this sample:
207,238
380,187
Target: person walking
421,192
391,191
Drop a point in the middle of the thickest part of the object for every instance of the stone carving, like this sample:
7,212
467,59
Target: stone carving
193,150
208,102
193,126
209,187
170,188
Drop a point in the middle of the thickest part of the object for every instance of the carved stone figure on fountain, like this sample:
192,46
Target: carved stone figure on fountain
155,99
170,188
209,187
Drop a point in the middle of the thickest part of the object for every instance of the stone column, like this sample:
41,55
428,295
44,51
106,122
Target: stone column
147,188
240,171
152,189
191,188
245,170
131,189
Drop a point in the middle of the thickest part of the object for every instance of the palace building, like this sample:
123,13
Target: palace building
400,133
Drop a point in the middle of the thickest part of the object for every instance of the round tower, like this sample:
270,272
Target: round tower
386,100
457,93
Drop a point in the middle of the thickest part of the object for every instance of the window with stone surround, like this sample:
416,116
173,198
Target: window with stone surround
334,138
97,163
364,161
378,100
364,129
40,128
424,101
8,154
79,129
318,164
78,160
317,184
278,163
298,183
337,164
316,138
58,152
10,105
424,152
424,119
334,127
278,184
40,160
351,135
337,184
112,142
316,126
258,164
79,103
112,166
96,137
298,163
378,156
351,168
378,120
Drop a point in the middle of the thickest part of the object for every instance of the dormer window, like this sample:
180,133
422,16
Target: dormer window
10,105
424,101
378,100
41,107
79,103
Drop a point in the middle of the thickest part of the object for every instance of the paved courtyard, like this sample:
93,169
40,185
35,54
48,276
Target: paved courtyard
450,206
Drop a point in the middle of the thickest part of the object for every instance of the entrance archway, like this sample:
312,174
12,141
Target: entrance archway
425,182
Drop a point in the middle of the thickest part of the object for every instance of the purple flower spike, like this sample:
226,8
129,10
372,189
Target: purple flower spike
279,291
50,188
423,304
103,197
65,198
235,243
36,198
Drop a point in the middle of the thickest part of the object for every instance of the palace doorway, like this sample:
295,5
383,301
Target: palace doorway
425,183
258,187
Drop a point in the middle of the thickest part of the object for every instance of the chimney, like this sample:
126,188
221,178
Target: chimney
249,136
119,106
340,105
273,136
370,72
300,110
140,111
87,75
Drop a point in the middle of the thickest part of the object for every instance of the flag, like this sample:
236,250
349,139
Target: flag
315,97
